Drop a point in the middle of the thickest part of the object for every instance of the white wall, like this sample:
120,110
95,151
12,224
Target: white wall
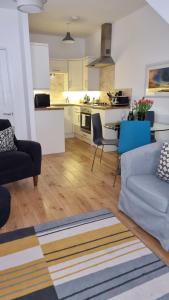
138,40
57,49
12,39
93,44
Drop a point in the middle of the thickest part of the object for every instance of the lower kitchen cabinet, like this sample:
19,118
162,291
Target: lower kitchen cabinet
72,123
76,121
84,136
50,130
68,122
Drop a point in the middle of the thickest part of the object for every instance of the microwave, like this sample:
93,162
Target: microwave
120,100
42,100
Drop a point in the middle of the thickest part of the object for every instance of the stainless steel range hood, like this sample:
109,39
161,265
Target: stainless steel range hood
105,59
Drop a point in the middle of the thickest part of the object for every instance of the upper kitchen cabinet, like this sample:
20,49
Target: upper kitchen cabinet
58,65
40,66
75,75
91,76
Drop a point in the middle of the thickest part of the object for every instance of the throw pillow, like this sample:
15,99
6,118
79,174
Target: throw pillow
163,168
7,140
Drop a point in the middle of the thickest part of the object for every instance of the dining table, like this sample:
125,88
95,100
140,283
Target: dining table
157,127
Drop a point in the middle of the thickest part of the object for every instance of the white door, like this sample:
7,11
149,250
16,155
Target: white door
6,104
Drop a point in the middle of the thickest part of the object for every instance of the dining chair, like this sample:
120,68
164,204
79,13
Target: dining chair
133,134
98,138
150,116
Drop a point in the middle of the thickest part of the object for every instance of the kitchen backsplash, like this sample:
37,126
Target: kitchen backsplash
58,84
107,78
59,88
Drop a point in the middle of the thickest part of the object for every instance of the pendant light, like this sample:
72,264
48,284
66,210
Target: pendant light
30,6
68,39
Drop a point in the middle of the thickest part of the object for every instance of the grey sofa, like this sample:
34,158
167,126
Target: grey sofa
144,197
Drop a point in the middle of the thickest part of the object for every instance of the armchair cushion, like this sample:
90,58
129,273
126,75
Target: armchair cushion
151,189
163,167
7,140
5,124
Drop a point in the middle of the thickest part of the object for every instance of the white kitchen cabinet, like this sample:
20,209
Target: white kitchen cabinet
91,76
84,136
58,65
76,120
50,130
68,121
40,66
75,75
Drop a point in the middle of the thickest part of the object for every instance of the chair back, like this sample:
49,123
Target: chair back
4,123
133,134
149,116
97,129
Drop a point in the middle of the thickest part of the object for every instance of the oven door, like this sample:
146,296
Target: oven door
85,122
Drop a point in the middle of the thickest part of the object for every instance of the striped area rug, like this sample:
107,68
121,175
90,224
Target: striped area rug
90,256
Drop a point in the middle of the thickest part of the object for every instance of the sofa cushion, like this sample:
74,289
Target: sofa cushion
163,167
151,190
14,160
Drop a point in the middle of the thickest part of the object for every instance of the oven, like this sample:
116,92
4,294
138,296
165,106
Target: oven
85,119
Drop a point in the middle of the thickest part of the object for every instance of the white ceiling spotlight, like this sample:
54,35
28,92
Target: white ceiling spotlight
30,6
75,18
68,38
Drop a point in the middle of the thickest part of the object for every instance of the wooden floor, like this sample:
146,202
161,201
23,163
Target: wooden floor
67,187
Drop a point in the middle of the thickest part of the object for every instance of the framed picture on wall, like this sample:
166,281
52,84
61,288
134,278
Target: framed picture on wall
157,80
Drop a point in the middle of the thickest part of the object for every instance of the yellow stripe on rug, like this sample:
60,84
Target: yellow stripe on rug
18,245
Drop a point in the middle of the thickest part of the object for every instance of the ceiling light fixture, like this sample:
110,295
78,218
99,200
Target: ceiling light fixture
68,39
30,6
75,18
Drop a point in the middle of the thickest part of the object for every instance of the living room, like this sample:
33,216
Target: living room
73,233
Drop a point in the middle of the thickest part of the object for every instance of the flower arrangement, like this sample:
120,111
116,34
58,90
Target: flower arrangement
142,105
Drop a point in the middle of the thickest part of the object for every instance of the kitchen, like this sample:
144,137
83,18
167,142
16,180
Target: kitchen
77,88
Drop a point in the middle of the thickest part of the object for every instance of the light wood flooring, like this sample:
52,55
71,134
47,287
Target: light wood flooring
67,187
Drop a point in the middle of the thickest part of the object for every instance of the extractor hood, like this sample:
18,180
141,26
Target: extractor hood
105,59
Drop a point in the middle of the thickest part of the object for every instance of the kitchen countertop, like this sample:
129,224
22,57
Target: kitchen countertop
104,107
49,108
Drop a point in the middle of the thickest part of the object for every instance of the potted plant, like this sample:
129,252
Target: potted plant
141,106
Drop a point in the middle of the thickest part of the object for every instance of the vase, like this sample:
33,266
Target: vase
141,116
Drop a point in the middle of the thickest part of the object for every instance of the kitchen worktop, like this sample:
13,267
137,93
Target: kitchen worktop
50,108
104,107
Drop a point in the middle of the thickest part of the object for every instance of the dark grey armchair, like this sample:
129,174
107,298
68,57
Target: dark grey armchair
20,164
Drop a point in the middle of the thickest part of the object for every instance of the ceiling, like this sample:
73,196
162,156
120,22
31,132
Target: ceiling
7,4
92,14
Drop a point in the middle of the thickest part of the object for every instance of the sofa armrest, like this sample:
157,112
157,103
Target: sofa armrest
143,160
34,150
